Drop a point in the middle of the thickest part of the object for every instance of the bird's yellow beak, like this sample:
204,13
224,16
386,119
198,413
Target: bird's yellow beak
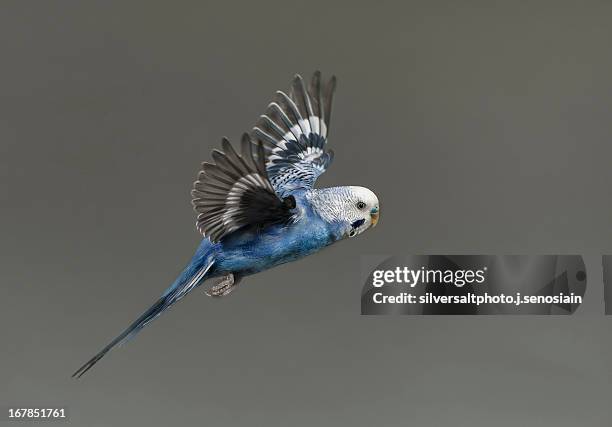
374,215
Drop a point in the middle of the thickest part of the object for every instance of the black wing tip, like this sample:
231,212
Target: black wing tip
217,152
331,84
297,79
316,76
245,137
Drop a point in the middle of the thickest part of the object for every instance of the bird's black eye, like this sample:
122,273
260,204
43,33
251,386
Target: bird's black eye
360,205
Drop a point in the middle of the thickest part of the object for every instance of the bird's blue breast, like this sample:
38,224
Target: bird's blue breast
253,250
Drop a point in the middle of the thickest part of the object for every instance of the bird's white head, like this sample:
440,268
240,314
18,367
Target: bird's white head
355,208
363,210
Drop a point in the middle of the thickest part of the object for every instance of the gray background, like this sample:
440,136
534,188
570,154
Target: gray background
484,127
607,276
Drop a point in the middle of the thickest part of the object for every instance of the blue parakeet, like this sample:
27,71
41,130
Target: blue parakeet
258,208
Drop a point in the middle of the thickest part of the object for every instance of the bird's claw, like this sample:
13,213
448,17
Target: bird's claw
223,287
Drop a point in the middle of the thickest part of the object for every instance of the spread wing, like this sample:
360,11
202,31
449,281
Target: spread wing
293,132
235,192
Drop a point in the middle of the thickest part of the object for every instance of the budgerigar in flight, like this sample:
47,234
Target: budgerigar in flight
259,208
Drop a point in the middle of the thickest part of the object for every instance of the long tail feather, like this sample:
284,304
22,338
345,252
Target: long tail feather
189,279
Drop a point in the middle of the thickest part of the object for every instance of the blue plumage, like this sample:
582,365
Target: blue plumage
258,209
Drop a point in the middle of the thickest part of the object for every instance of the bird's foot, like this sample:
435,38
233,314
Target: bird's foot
224,287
